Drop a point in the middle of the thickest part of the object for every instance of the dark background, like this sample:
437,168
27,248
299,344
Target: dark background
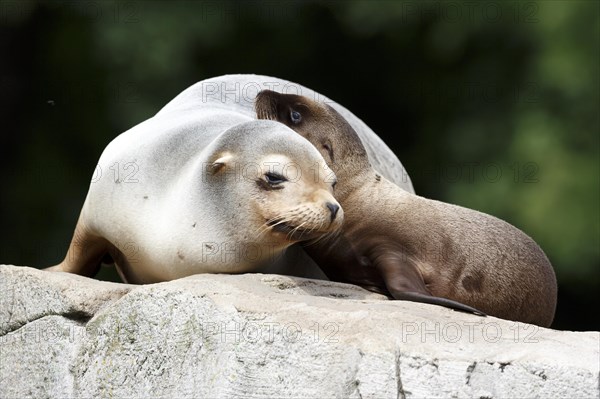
489,105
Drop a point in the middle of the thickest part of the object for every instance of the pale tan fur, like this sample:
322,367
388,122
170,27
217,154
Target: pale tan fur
202,201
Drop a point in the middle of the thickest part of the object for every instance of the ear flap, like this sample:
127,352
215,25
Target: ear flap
219,163
266,104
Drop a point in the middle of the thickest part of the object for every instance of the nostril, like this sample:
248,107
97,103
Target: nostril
333,208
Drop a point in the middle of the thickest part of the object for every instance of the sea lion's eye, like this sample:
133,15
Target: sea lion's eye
274,178
295,117
333,184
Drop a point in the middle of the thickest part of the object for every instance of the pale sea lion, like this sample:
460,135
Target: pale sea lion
234,95
409,247
201,191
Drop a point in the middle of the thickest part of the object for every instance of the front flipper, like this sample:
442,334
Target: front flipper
405,282
85,254
428,298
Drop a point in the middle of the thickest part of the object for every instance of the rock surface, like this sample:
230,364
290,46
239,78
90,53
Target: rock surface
259,335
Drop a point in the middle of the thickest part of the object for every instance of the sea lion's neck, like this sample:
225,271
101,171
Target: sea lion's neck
351,180
348,157
402,217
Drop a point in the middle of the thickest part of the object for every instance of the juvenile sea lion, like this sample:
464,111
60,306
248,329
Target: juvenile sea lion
206,190
409,247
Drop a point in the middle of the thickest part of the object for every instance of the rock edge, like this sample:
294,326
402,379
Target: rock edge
257,335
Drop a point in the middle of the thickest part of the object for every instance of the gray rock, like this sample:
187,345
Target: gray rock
258,335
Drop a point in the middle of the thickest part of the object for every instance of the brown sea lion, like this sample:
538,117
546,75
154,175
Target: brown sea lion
409,247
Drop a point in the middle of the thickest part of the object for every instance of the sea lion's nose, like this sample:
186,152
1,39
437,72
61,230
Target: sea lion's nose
333,208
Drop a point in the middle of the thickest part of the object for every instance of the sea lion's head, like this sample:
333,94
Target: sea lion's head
323,126
277,180
318,122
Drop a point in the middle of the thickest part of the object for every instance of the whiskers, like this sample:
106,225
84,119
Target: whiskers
299,224
330,236
284,218
297,229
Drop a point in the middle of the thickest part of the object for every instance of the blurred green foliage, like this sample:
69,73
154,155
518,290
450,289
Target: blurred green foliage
489,105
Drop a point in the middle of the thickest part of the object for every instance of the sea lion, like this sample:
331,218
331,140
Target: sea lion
195,191
409,247
236,93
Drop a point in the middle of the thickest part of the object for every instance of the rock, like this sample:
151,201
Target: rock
258,335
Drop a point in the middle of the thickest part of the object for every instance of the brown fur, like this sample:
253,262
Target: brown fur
410,247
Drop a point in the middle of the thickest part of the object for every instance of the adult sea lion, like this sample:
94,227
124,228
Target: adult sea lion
235,94
189,192
409,247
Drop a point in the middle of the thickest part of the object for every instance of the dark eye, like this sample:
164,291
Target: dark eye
334,184
274,178
295,117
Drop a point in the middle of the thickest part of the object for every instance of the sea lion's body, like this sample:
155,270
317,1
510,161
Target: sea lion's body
236,93
193,191
409,247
